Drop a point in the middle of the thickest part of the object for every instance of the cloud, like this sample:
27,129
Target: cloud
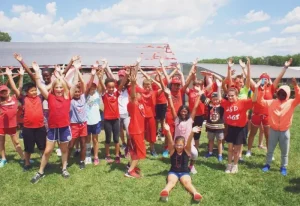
250,17
292,29
51,8
261,30
291,17
20,8
238,33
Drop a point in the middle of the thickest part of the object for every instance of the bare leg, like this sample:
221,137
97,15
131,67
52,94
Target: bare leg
117,148
17,145
220,147
237,151
261,136
187,183
172,180
82,148
230,152
27,158
96,145
133,165
2,146
252,134
71,146
46,155
210,145
64,154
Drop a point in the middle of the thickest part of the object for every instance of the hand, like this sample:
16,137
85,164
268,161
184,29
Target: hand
161,61
218,82
196,61
166,127
232,72
243,65
8,71
127,71
248,61
99,73
132,78
35,67
258,84
288,63
167,92
178,67
196,129
104,64
294,82
77,64
18,57
75,58
21,71
58,69
94,70
138,60
230,63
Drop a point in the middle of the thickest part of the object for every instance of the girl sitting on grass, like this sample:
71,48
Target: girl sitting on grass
180,153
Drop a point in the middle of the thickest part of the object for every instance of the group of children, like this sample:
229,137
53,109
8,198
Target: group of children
57,111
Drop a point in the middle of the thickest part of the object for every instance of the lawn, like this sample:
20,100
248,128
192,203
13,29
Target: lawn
106,185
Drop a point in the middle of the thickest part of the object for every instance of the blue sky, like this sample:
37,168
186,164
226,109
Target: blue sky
193,28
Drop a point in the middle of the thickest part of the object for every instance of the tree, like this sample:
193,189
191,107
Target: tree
5,37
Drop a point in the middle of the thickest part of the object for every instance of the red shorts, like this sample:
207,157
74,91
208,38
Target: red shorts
9,131
79,130
150,129
137,147
260,119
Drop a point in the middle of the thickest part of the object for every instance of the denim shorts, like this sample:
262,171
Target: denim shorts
179,174
94,129
59,134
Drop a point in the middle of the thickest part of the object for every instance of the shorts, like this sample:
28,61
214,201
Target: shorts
213,135
198,121
124,123
179,174
94,129
150,129
9,131
32,136
59,134
260,119
137,147
78,130
236,135
160,111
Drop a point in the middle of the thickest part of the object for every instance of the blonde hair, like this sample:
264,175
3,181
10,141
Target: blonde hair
64,85
146,81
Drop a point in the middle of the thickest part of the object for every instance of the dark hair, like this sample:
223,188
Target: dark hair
109,80
46,69
119,83
179,138
182,107
28,86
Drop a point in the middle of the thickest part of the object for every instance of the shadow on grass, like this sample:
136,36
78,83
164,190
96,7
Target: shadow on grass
294,187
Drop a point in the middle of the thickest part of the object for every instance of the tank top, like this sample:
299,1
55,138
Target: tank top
179,163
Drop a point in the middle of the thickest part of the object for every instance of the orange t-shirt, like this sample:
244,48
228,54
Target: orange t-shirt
193,95
161,98
177,102
111,106
258,108
235,113
149,103
136,112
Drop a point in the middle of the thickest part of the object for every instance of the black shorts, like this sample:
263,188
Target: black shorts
32,136
198,121
160,110
236,135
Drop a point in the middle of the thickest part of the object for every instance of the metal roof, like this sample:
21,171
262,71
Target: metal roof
256,70
117,54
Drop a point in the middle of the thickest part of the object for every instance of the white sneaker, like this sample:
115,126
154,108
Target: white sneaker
58,152
193,170
88,160
248,154
228,168
234,169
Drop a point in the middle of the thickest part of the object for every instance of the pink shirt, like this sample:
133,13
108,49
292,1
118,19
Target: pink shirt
183,128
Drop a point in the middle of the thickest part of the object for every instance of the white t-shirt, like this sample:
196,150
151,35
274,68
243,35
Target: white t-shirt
123,101
93,109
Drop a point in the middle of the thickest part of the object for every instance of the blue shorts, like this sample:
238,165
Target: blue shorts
59,134
94,129
179,174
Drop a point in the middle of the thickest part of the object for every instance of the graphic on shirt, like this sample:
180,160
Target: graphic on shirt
233,109
142,109
214,115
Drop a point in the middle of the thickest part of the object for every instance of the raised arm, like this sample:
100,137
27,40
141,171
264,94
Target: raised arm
133,80
74,83
107,69
192,76
188,146
19,58
39,85
16,91
82,83
219,84
229,77
278,78
260,96
161,61
72,60
169,138
93,73
170,102
248,74
243,65
194,111
100,87
254,98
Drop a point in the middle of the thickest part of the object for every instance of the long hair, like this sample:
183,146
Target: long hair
64,85
188,113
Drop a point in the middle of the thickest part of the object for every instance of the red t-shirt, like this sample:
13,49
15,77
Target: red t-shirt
149,103
33,112
20,117
136,112
59,111
8,113
111,106
160,98
235,113
193,95
138,89
177,102
259,109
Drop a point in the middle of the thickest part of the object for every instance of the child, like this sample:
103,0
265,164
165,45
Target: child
281,116
8,117
179,156
59,102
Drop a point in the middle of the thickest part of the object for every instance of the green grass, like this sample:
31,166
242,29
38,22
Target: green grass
106,185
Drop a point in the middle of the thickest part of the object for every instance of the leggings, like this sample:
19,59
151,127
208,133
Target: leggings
112,126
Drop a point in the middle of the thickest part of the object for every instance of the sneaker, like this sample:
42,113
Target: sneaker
58,152
234,169
65,173
248,154
96,161
26,168
37,177
153,153
2,163
123,147
121,155
193,169
228,168
266,168
137,170
132,174
164,196
82,165
283,171
262,147
117,160
88,160
220,158
165,154
76,153
208,155
108,160
197,197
